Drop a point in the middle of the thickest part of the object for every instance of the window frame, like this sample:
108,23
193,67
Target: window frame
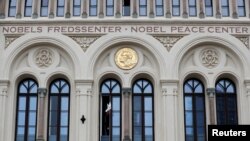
142,97
41,7
227,8
110,95
59,111
192,6
10,7
225,97
27,6
125,7
194,96
76,6
111,7
243,7
159,6
93,6
142,6
59,7
209,6
176,7
27,96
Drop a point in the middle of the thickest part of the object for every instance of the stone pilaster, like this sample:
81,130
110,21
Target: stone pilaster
211,98
19,9
3,97
42,92
35,9
170,93
83,107
135,5
247,96
2,9
52,8
233,3
168,4
118,9
218,8
126,121
84,9
101,8
184,8
151,8
68,9
202,8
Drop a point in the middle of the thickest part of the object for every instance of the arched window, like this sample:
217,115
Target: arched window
76,7
126,8
59,101
226,102
110,7
159,7
93,7
26,111
143,111
241,8
194,108
143,7
110,110
60,8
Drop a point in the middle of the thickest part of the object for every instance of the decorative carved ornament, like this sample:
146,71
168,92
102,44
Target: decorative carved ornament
9,40
245,41
126,58
168,41
44,58
209,58
84,42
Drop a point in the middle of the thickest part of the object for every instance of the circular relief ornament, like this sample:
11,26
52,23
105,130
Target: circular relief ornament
126,58
43,58
210,58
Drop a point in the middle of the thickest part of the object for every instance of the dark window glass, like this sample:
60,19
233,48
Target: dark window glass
126,7
59,101
93,7
194,109
226,102
159,8
44,8
209,7
12,8
176,7
77,8
241,8
110,110
28,8
26,112
225,8
110,7
60,8
143,7
192,8
143,111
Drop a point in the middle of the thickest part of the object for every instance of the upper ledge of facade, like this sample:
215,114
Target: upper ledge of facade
128,20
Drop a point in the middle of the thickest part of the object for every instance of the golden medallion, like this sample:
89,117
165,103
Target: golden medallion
126,58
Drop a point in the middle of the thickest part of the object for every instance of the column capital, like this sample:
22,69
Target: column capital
42,92
210,92
126,91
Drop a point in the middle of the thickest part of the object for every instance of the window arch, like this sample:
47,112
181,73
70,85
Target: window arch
26,111
226,102
58,119
194,109
143,110
110,110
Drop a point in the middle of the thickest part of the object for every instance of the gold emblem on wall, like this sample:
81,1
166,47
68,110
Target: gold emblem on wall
126,58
